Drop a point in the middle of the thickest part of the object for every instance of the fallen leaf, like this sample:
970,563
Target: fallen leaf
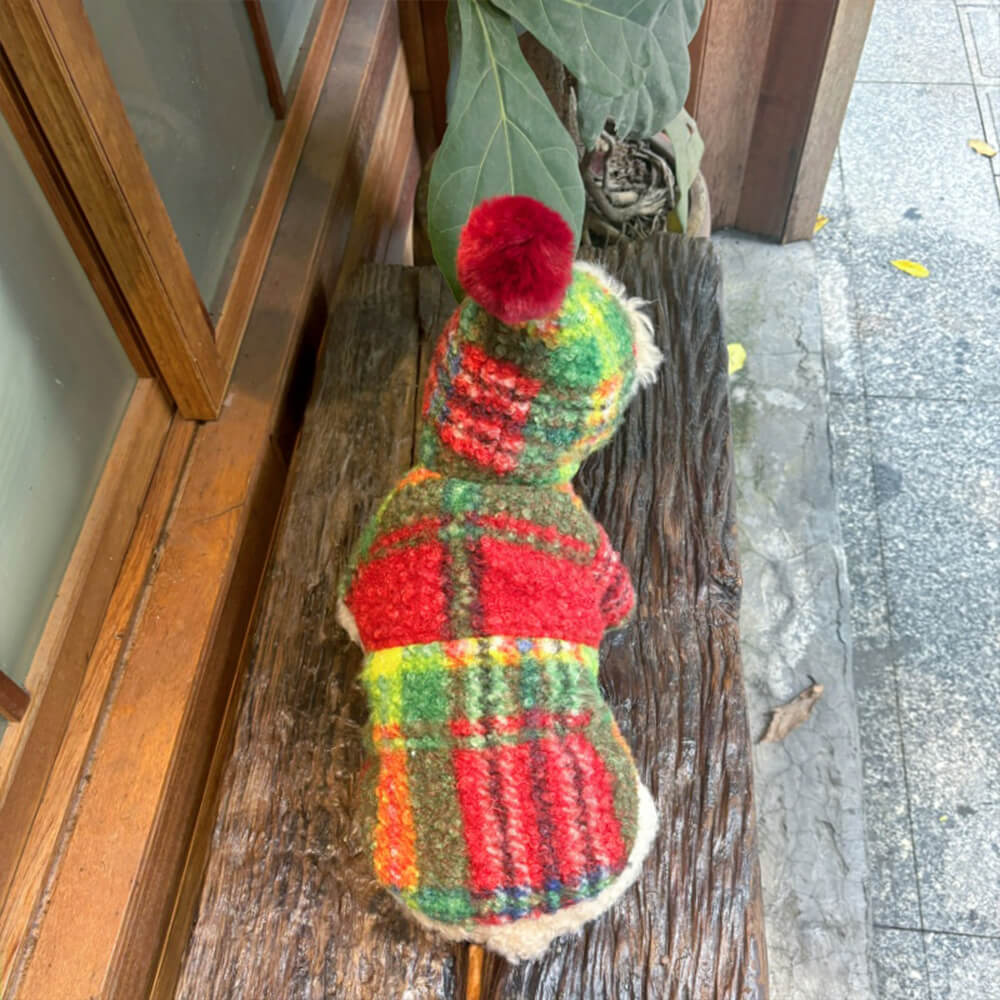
737,357
821,221
792,714
983,148
911,267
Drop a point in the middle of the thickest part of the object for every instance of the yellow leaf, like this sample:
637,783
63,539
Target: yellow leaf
983,148
737,357
911,267
821,221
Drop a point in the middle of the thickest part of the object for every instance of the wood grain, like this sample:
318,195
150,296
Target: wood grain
384,173
412,31
693,926
147,768
398,247
847,40
286,862
57,670
731,48
55,56
435,30
286,843
260,233
265,51
797,54
54,809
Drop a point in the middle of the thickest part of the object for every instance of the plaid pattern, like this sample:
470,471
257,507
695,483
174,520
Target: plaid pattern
528,403
498,786
446,559
503,788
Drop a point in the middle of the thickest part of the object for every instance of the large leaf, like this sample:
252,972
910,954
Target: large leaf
688,150
606,44
503,137
647,108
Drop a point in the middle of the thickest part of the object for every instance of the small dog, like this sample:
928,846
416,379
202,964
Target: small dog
502,803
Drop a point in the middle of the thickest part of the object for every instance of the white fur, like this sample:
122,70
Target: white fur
346,621
529,937
647,355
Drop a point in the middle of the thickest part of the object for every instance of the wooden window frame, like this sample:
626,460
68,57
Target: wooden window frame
123,808
59,77
58,98
100,190
73,638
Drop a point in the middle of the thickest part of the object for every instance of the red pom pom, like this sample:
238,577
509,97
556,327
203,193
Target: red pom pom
515,258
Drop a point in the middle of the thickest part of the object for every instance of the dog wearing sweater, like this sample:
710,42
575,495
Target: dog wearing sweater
502,805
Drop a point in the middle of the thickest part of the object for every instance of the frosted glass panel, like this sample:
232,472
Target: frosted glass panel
287,21
64,385
189,75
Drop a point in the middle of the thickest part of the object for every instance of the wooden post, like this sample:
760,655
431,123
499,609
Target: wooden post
770,85
729,53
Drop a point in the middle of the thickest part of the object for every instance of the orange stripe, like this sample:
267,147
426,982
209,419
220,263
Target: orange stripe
395,836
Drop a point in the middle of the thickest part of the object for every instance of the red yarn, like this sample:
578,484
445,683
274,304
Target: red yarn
515,258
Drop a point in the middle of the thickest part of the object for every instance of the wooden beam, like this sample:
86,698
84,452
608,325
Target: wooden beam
39,824
44,165
58,64
265,52
412,29
730,51
847,40
259,236
59,666
432,13
384,174
797,54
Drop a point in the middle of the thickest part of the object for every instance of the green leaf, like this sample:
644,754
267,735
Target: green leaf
503,137
688,150
605,47
648,108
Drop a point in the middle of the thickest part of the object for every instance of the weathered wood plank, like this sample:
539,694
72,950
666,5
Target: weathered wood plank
287,864
289,907
692,928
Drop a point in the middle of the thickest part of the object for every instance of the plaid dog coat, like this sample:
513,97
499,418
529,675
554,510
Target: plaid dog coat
501,802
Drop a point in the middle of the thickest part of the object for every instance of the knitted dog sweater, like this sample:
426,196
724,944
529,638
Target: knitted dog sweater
501,803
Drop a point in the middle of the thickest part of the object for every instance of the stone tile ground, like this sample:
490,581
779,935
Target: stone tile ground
794,625
914,368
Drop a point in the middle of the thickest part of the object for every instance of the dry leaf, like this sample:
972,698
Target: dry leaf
792,714
983,148
911,267
737,357
821,221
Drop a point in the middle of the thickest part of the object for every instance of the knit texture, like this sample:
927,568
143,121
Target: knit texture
528,403
504,788
498,788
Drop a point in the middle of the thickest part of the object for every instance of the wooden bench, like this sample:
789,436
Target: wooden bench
289,909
